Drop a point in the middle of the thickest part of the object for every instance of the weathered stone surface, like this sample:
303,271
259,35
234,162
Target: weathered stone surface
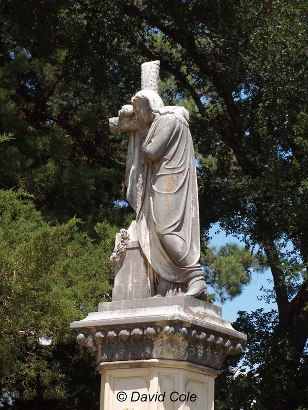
150,75
173,342
164,384
161,303
134,276
182,328
162,189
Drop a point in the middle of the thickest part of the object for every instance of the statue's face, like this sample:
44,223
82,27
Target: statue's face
143,111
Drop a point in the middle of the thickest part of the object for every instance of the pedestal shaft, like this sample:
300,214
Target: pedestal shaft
156,385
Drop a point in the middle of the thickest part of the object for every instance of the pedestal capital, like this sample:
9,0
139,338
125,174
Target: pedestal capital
172,328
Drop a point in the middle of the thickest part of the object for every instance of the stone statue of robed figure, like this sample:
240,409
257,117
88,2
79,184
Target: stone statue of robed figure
145,344
162,189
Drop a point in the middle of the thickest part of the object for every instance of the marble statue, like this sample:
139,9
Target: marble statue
144,343
162,188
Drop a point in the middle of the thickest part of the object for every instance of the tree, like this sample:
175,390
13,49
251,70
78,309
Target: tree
239,64
240,384
56,157
50,276
243,64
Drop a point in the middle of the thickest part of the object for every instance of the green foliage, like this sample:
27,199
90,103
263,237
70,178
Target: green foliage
65,68
54,98
6,137
244,378
50,276
229,269
238,387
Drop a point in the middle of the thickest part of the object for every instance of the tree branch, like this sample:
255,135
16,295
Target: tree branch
186,40
279,282
185,83
71,130
300,300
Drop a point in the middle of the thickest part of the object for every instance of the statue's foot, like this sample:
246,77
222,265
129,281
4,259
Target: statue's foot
167,288
197,288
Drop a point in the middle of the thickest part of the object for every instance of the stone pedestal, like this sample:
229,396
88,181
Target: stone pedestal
158,348
158,352
156,384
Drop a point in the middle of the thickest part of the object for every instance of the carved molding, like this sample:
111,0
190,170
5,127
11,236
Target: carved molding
169,341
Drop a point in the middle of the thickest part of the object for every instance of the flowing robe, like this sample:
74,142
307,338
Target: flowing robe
167,209
133,168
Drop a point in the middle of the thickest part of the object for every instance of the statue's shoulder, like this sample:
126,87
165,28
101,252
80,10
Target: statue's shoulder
175,113
167,116
165,121
178,110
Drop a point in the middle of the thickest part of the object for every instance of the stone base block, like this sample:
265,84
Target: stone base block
132,280
134,276
156,385
171,328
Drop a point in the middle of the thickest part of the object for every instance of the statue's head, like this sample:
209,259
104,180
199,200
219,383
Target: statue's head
147,104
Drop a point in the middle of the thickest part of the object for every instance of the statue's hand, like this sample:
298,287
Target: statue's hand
114,125
146,160
122,124
126,111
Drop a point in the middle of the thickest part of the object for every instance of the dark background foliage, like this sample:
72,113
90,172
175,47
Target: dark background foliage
66,66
